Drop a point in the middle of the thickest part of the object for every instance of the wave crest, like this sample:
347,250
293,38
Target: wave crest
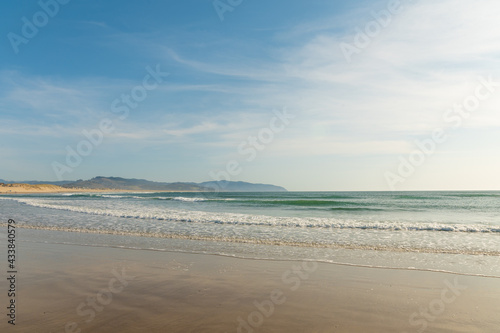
129,211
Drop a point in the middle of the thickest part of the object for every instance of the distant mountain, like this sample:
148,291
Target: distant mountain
228,186
118,183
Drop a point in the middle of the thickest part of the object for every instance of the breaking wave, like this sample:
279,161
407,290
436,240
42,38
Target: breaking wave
157,213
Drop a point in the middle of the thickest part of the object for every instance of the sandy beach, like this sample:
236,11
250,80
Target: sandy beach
69,288
19,188
42,188
234,166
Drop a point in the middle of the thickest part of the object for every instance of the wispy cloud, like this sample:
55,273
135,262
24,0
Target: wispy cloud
223,87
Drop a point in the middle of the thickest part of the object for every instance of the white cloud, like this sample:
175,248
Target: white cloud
396,89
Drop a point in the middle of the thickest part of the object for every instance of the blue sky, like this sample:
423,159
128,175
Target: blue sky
357,115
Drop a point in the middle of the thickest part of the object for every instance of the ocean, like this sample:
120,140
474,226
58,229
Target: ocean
455,232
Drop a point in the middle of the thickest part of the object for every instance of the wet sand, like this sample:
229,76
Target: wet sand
69,288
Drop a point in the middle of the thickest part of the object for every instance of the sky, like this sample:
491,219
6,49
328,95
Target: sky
318,95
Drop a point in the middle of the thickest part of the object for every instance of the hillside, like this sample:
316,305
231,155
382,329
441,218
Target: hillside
227,186
117,183
37,182
124,184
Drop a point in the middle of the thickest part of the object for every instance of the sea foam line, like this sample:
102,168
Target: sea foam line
323,261
271,242
173,215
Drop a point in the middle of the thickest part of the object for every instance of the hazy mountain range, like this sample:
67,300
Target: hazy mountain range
142,184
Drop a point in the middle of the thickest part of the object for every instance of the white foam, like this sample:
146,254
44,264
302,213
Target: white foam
128,210
243,240
188,199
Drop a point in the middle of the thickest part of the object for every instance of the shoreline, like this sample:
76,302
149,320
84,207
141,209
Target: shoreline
275,260
187,292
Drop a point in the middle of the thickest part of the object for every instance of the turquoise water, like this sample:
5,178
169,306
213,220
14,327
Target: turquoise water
450,231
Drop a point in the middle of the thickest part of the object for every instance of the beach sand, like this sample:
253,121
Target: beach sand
152,291
41,188
20,188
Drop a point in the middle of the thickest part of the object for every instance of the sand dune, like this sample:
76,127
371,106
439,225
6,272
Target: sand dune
40,188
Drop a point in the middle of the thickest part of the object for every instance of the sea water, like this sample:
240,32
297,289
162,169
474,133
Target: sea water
455,232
